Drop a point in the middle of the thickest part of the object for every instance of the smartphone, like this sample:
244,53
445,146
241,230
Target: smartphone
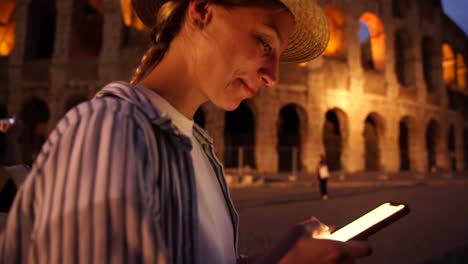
7,121
370,223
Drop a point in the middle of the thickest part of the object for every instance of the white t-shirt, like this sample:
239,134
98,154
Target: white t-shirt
215,243
323,171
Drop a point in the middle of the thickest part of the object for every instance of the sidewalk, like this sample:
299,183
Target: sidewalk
362,179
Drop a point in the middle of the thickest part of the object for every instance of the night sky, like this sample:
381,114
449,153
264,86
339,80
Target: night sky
458,11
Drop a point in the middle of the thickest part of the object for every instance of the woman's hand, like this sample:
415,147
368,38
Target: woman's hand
299,246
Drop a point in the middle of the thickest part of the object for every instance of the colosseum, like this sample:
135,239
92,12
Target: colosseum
388,95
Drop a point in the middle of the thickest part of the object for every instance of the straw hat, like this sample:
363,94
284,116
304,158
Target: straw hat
308,41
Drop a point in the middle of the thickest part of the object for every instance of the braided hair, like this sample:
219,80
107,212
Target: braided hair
168,23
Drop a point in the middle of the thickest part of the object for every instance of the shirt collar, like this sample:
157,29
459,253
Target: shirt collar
136,95
183,123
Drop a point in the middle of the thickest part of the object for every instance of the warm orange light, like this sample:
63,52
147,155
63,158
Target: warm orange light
377,38
336,19
7,8
7,39
303,64
448,64
461,72
7,27
129,17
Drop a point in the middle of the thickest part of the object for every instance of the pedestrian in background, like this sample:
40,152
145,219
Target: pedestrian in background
13,170
32,124
322,176
23,138
127,177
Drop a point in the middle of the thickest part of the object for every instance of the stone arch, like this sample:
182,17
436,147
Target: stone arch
373,133
461,72
451,147
292,123
199,117
429,58
40,32
335,134
337,22
87,27
433,141
403,57
239,131
7,27
448,65
406,140
373,49
73,101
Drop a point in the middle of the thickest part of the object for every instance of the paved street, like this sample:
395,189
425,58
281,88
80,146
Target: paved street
435,231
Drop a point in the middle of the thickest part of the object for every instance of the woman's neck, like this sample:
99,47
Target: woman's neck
172,80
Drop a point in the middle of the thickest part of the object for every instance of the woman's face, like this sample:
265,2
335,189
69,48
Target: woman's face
239,52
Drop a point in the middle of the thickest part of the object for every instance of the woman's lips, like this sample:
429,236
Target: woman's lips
250,91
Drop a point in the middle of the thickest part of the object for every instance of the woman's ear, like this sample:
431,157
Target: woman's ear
200,12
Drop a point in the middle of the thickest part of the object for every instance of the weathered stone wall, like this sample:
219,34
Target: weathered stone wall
337,84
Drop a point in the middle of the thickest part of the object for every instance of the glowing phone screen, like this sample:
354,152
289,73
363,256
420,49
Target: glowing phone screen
365,222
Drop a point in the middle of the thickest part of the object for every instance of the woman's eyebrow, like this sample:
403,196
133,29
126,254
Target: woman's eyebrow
272,30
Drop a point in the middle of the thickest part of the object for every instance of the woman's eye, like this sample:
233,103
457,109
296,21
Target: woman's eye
266,47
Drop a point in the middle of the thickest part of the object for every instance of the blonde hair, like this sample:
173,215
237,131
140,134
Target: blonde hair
168,23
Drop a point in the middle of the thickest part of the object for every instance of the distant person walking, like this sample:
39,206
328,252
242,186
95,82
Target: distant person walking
322,176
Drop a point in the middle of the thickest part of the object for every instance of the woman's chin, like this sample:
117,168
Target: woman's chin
229,105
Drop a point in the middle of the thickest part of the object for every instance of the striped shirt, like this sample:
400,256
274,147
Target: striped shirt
114,183
215,243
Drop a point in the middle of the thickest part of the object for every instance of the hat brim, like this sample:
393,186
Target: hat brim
311,33
309,39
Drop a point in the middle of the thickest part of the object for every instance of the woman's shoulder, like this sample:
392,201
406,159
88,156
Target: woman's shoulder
106,106
98,110
97,119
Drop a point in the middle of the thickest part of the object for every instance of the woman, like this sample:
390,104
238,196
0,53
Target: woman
128,178
322,177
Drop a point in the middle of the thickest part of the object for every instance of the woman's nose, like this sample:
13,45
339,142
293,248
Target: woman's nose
269,72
